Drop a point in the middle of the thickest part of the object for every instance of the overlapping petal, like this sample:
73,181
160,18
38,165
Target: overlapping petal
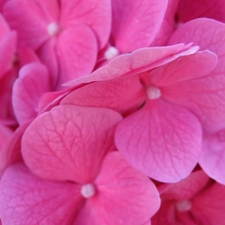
69,142
125,196
136,23
95,14
33,81
162,140
124,94
26,199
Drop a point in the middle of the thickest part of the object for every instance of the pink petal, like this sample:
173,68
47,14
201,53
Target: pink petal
48,56
23,15
162,140
136,23
7,116
182,69
114,94
69,142
139,61
205,97
168,24
76,55
27,55
7,51
125,196
95,14
4,27
191,9
33,81
5,134
213,156
11,153
209,206
213,38
51,99
26,199
187,188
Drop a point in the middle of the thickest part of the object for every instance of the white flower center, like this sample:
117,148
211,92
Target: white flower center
111,53
53,29
183,206
88,190
153,92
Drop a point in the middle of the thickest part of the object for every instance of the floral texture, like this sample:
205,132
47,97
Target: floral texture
112,112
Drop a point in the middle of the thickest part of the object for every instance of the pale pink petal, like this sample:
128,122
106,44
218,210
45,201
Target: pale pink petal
124,196
136,23
209,206
162,140
187,188
69,142
182,69
94,13
205,97
139,61
191,9
31,19
213,38
26,199
213,156
168,24
77,54
33,81
11,153
123,94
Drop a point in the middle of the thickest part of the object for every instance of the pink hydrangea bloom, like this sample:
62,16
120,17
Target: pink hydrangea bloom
76,176
157,136
212,154
193,201
58,30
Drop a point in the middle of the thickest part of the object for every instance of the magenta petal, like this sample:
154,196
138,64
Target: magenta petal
23,15
4,27
136,23
33,81
94,13
213,156
5,134
209,206
162,140
76,55
187,188
69,142
11,153
191,9
7,51
124,94
125,196
48,56
26,199
136,62
205,97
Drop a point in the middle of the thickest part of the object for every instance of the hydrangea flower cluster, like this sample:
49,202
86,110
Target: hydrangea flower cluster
112,112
